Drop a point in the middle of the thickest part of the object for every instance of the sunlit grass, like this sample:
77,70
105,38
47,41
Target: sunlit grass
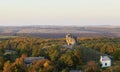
3,37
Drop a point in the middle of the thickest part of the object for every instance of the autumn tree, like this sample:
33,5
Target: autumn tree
116,55
67,59
91,67
1,63
18,65
53,52
7,67
41,66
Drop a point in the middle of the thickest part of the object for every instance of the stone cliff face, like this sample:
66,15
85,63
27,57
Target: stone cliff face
71,40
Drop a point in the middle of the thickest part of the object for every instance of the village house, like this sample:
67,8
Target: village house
30,60
10,52
105,61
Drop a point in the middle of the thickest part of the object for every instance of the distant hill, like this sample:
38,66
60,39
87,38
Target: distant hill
60,31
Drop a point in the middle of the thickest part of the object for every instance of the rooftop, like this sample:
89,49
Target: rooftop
31,59
9,52
75,71
105,58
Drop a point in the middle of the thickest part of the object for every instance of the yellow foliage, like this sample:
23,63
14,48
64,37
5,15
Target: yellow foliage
46,64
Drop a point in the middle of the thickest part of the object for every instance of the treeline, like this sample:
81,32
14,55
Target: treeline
57,57
109,46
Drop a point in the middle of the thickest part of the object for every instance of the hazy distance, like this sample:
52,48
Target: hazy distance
59,12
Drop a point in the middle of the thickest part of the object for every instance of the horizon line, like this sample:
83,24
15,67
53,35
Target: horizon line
57,25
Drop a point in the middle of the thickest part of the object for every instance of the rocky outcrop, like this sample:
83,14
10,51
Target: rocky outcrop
71,40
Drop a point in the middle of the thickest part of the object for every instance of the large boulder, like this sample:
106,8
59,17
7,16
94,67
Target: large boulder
71,40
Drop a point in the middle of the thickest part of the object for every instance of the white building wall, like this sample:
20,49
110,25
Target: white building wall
106,63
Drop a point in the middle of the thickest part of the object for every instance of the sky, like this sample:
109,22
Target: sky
59,12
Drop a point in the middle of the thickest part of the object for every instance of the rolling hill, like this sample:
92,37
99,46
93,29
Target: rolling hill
60,31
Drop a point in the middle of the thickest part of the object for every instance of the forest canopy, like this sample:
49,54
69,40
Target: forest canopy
13,51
